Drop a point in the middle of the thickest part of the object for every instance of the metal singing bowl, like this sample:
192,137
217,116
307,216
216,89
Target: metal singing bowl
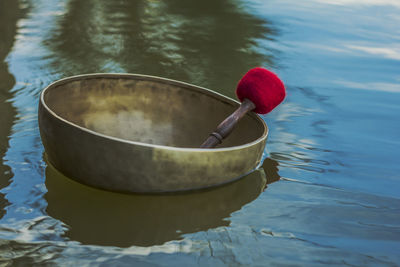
137,133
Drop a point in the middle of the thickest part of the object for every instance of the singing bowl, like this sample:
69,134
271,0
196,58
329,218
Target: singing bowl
138,133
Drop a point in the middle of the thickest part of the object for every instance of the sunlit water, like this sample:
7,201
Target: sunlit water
334,143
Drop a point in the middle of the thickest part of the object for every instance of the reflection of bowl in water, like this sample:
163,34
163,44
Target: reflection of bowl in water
136,133
105,218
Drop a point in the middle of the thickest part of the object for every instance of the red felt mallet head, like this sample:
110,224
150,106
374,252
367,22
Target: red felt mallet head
263,88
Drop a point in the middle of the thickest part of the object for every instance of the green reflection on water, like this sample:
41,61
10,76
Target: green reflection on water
9,14
208,43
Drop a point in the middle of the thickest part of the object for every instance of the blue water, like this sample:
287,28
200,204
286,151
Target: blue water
334,143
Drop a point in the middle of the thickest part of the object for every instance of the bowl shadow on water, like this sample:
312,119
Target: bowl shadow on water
98,217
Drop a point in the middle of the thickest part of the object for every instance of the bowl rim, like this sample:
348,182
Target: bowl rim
188,86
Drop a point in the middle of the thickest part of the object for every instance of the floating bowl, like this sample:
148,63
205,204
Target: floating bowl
137,133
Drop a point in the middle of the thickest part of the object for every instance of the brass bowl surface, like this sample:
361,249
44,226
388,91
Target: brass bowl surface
138,133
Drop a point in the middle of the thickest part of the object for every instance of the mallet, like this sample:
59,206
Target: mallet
259,90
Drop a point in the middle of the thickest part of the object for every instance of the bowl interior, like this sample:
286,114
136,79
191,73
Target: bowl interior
148,110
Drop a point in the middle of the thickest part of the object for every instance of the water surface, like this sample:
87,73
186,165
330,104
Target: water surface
329,189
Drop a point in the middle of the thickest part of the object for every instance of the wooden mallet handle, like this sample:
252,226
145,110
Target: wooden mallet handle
227,126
